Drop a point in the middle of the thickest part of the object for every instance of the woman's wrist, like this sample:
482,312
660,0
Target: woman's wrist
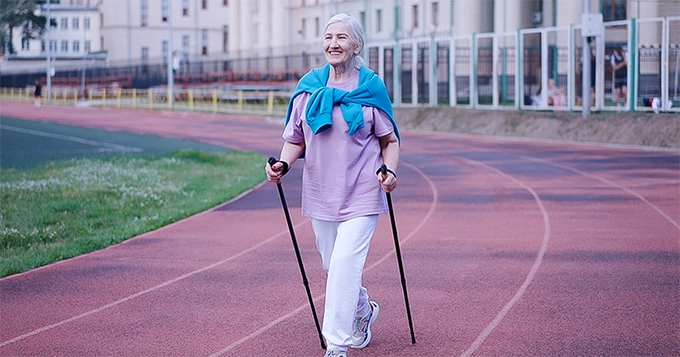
384,170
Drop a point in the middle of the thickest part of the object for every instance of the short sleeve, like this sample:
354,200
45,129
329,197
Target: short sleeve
383,123
293,131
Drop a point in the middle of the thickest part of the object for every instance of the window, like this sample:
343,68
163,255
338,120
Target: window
204,41
64,46
225,39
317,27
414,14
88,46
86,23
64,23
25,44
75,24
378,20
144,11
145,56
185,44
165,53
42,46
185,7
613,10
303,30
435,14
164,10
53,45
204,4
225,2
76,46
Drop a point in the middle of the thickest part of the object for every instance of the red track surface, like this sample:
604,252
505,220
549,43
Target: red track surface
510,247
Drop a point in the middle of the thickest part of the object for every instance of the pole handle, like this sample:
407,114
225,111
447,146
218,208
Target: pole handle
272,160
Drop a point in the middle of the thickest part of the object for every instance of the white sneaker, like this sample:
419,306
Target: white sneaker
362,327
334,353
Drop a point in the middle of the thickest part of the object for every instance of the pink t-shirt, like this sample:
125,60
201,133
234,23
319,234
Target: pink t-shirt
339,180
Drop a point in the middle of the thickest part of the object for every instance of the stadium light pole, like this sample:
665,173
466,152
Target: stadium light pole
171,77
49,52
82,79
585,68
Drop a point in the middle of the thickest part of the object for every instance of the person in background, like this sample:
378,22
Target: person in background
340,118
556,96
37,94
620,68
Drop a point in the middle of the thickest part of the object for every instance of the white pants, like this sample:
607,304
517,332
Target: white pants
343,247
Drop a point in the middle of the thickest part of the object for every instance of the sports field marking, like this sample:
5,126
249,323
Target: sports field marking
113,147
610,183
301,308
534,268
539,259
156,287
489,329
144,292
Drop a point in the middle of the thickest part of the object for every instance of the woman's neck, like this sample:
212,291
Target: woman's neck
341,72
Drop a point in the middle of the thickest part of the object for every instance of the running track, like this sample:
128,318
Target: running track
510,247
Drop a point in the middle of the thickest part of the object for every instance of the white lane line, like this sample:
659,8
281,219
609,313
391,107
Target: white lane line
261,330
613,184
156,287
532,272
70,138
144,292
430,212
282,318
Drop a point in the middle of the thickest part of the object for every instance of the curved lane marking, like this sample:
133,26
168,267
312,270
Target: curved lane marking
610,183
430,212
161,285
534,268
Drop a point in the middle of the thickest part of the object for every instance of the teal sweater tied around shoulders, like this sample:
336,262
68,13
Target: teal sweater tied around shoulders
370,92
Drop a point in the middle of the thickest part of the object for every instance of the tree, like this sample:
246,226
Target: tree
20,14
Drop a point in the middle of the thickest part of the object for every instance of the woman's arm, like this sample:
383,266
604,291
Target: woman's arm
389,145
290,152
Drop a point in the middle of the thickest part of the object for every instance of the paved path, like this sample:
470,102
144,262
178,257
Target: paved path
511,247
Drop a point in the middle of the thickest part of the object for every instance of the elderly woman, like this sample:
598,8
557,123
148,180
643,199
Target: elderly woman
340,119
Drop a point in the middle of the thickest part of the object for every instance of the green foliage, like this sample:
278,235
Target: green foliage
20,14
66,209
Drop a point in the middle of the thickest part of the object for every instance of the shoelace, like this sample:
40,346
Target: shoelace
360,324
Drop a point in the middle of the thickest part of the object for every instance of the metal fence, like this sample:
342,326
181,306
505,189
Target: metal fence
480,71
509,70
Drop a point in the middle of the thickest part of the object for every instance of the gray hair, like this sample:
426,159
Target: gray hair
355,32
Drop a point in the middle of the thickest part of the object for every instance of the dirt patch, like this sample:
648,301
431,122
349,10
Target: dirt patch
648,129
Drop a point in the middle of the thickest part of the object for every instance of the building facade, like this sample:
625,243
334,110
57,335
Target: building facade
133,32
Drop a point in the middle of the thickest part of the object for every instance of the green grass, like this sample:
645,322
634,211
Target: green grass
70,208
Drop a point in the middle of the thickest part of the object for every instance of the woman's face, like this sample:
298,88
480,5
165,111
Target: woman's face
337,46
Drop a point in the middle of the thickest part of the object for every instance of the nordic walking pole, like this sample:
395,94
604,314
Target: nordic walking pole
271,162
383,171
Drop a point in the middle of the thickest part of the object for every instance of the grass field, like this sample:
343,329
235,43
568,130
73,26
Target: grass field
65,209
